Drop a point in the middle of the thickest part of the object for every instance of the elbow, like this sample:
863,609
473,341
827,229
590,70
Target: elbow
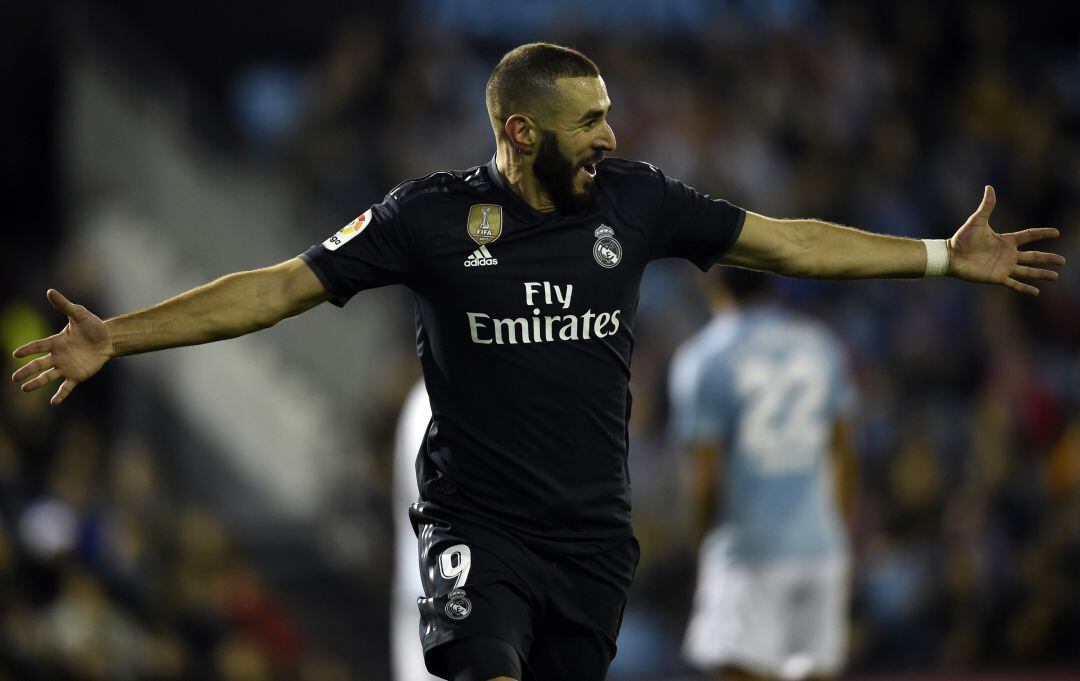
267,316
780,247
271,301
796,258
806,254
262,311
799,269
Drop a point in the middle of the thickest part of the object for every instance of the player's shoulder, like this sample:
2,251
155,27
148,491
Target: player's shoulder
624,167
635,186
624,172
442,185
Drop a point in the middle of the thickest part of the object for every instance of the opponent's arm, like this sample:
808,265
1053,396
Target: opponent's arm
822,250
231,306
845,472
704,497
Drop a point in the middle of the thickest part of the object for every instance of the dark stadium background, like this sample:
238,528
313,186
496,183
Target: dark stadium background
225,510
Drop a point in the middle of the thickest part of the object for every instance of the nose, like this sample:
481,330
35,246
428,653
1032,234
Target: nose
606,141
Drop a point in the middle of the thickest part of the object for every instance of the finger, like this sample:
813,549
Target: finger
988,201
62,304
37,366
1039,258
44,379
1020,287
63,391
1035,234
1034,273
34,347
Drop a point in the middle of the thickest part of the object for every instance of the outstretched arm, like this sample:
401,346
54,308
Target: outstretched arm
231,306
821,250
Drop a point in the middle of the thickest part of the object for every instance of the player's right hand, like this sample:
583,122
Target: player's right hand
75,354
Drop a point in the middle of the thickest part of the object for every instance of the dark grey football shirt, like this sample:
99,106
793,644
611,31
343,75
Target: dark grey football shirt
525,332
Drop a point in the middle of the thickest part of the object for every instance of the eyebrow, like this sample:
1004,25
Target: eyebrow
594,113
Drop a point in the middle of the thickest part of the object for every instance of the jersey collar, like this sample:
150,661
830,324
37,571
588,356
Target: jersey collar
519,204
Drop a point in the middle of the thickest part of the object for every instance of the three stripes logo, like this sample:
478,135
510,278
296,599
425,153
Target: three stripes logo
480,258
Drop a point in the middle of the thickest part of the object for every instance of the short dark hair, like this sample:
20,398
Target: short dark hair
524,79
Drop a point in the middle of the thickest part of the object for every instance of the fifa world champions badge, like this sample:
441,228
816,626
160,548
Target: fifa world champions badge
485,223
607,250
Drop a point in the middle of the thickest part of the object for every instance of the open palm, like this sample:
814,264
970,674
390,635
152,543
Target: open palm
75,354
982,255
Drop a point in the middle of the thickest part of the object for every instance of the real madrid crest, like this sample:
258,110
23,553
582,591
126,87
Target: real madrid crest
458,606
607,250
485,223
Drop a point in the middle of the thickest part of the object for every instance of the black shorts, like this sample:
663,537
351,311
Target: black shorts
561,613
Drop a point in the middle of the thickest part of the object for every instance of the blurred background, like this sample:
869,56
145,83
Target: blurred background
224,512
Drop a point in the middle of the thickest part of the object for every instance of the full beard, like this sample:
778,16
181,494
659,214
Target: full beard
556,174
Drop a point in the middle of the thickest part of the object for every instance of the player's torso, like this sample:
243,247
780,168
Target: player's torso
525,336
570,278
548,298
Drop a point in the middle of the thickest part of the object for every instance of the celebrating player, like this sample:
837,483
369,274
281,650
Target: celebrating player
525,272
760,397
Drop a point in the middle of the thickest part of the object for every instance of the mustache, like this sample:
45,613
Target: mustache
592,160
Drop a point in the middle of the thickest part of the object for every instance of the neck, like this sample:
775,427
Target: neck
517,169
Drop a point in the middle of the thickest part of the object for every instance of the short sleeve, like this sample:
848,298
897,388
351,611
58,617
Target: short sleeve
695,226
697,399
373,250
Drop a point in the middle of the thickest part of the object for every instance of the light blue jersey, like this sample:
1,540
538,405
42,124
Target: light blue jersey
767,385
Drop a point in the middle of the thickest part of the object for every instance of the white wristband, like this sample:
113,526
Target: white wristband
937,257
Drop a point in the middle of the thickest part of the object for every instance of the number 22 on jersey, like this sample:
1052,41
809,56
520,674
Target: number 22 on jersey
783,423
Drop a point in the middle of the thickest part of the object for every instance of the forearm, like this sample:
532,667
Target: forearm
231,306
816,249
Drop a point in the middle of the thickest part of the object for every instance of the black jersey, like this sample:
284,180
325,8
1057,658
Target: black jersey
524,333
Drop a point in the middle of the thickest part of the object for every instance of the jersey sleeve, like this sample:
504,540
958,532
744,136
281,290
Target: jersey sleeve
698,401
694,226
375,249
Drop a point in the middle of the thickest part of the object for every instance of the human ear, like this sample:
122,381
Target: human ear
522,133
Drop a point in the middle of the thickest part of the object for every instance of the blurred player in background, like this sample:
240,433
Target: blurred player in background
526,274
761,398
406,658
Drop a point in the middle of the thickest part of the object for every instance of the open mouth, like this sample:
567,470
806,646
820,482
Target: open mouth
589,169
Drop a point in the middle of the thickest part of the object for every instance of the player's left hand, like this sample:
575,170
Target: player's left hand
980,254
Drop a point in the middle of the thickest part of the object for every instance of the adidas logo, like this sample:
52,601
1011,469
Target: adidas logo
480,257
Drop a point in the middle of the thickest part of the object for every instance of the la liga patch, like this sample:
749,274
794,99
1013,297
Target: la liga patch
348,231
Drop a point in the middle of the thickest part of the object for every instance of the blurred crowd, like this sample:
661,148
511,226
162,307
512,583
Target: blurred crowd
886,117
105,574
